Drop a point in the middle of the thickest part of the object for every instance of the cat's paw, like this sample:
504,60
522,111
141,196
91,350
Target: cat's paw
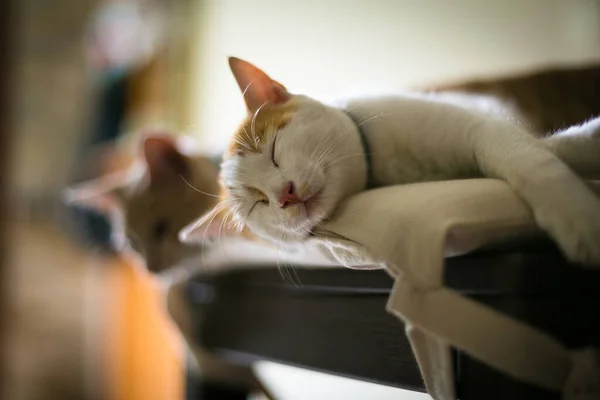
576,230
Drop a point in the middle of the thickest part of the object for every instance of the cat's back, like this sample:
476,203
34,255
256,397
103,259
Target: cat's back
413,102
412,135
412,113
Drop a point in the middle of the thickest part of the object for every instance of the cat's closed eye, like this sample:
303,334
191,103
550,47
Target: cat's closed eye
258,195
159,229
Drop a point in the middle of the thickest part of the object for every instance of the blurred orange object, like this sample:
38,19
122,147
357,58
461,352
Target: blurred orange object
145,360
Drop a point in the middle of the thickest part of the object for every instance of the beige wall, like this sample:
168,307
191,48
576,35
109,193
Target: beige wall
323,47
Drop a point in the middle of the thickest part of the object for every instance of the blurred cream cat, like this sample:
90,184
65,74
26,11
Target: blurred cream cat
294,159
152,201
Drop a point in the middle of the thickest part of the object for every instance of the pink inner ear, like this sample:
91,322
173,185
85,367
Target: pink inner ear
164,159
257,87
209,231
206,228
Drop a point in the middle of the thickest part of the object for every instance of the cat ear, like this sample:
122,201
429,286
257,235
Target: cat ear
165,161
258,89
104,194
212,225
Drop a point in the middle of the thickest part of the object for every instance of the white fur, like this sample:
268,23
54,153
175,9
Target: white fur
414,138
579,147
305,151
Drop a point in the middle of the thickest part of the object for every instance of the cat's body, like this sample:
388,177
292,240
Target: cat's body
295,159
417,137
149,204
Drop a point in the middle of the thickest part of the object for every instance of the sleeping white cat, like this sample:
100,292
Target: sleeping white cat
294,159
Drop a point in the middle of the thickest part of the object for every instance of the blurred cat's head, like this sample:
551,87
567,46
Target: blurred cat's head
289,164
151,202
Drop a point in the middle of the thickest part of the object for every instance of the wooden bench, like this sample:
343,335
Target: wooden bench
334,320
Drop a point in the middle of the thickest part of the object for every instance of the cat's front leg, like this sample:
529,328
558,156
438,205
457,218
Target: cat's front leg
561,202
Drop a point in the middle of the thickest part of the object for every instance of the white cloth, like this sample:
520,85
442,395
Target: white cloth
409,230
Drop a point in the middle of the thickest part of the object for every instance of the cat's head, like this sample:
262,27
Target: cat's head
288,165
149,204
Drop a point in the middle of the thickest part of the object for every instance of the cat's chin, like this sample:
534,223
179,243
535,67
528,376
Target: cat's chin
297,229
293,236
308,228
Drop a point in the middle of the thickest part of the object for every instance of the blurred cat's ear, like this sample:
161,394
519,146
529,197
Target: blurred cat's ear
208,227
214,224
257,87
165,161
104,194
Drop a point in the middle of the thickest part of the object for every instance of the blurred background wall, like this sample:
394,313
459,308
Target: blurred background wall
323,48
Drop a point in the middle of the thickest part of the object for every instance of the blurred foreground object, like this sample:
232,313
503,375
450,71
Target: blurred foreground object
6,39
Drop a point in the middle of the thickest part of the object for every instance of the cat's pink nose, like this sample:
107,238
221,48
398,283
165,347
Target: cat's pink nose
288,196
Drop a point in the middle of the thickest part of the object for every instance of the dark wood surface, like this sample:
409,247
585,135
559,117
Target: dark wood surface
306,324
334,320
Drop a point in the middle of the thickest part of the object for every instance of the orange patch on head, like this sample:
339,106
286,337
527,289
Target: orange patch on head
257,128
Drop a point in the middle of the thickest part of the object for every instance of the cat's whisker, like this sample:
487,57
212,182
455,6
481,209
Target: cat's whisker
253,125
196,189
317,146
329,164
224,222
293,266
362,122
280,268
331,146
346,109
342,135
372,117
296,277
239,224
246,88
211,216
243,126
284,272
243,143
